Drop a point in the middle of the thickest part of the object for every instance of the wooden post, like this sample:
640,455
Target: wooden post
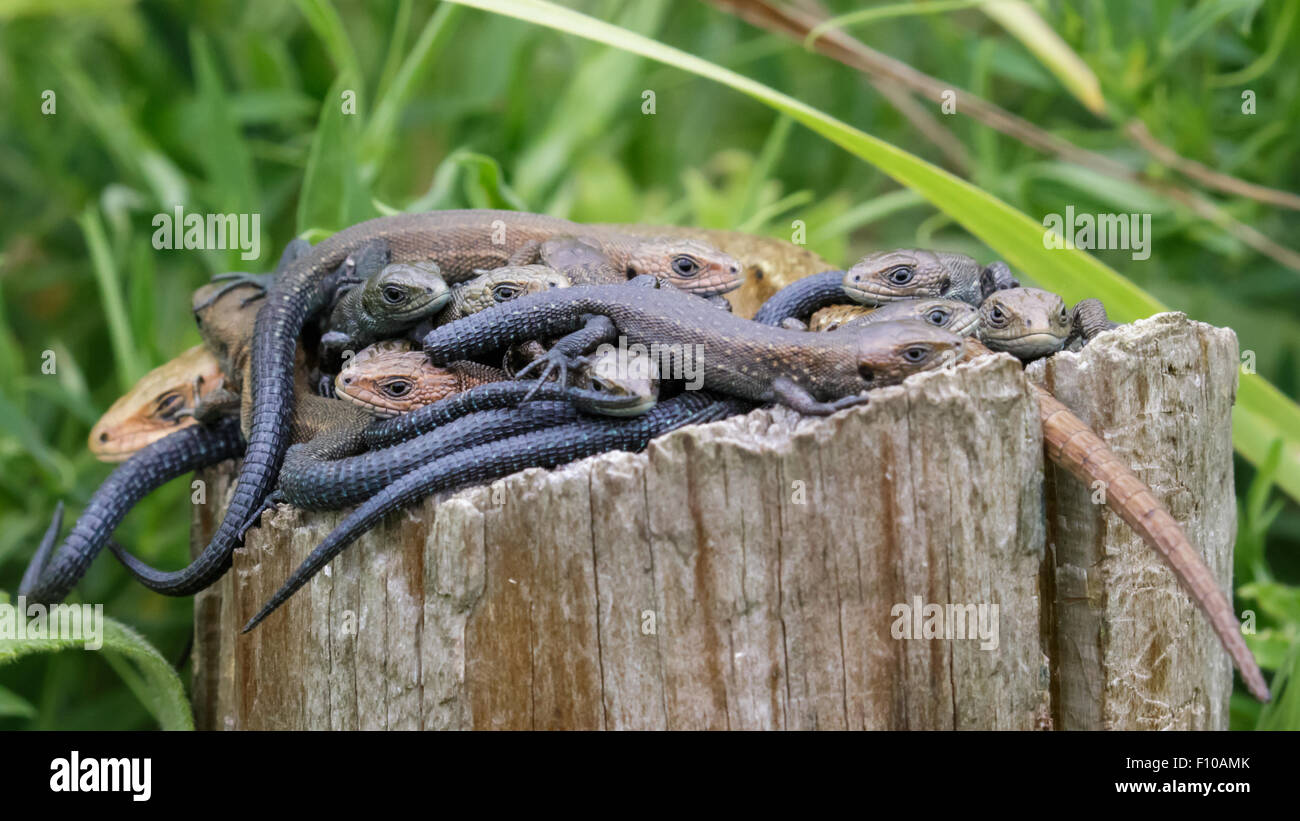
752,573
1130,649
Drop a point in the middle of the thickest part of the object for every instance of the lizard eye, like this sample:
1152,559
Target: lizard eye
504,293
168,405
685,266
599,385
937,317
900,274
393,294
996,316
1065,317
866,373
916,354
397,388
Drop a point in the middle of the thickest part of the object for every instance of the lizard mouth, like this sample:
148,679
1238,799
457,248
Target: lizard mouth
369,401
641,407
868,295
968,327
1039,343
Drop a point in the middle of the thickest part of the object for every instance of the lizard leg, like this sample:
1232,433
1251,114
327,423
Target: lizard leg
1089,320
561,356
796,398
526,254
236,279
220,401
996,277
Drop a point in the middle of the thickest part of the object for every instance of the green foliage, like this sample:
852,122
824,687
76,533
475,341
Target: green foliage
233,107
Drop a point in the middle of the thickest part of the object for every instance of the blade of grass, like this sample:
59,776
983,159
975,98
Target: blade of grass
1024,24
325,21
377,140
129,365
1262,414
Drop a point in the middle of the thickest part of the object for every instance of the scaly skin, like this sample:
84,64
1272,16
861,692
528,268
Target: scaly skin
546,448
1071,444
812,373
502,285
389,383
148,469
767,264
161,403
949,314
1030,323
461,242
389,302
393,382
908,274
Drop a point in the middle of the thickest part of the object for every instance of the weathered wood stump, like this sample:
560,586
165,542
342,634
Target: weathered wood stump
771,571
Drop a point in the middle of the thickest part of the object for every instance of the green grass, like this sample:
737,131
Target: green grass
237,107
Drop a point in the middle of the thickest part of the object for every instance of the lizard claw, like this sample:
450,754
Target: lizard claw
551,361
269,503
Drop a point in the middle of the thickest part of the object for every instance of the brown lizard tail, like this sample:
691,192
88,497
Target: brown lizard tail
1074,446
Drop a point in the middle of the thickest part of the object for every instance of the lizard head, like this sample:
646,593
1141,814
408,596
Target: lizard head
949,314
889,352
405,292
686,264
159,404
1025,322
620,374
502,285
908,274
391,382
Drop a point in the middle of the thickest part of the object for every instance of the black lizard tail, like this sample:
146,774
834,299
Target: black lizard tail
275,338
544,448
153,466
41,557
801,298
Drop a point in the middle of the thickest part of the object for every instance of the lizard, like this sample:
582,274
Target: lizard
546,448
950,314
1030,323
391,379
494,287
161,402
768,264
461,242
887,276
389,302
811,373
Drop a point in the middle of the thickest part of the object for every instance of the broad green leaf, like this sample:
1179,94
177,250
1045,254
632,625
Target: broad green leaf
1262,413
153,680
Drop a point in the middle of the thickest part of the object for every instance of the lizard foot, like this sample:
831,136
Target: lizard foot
233,280
268,503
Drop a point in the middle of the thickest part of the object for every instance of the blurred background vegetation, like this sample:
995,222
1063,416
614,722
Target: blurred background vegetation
234,107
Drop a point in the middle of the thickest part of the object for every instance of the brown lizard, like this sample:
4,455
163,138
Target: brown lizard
162,402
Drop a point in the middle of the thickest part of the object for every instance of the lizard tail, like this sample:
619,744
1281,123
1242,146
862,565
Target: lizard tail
1074,446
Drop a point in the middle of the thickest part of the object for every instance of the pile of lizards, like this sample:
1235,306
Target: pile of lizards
414,354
